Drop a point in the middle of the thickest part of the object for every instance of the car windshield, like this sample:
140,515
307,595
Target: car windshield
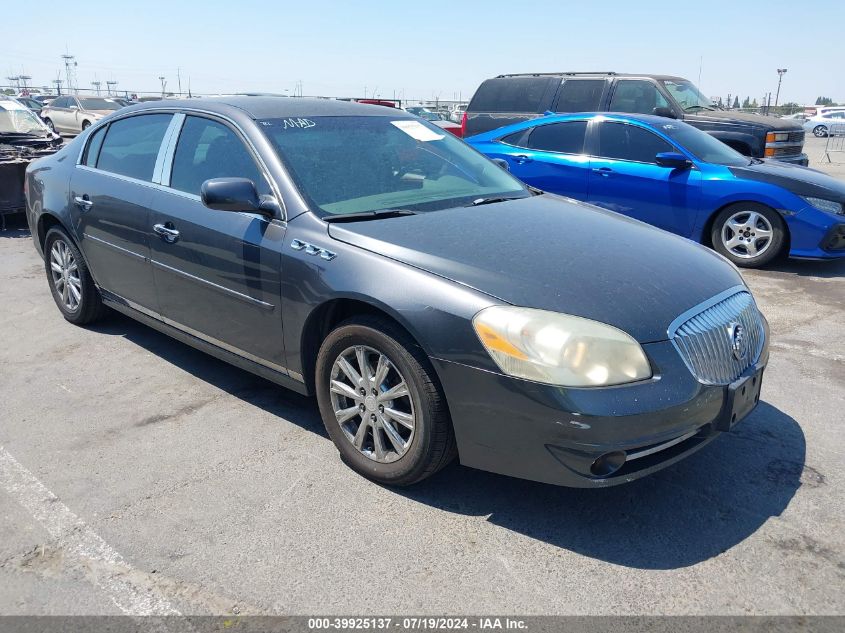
15,118
428,115
701,145
687,95
356,164
91,103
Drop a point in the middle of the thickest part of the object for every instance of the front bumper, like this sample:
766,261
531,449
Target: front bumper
815,234
555,434
794,159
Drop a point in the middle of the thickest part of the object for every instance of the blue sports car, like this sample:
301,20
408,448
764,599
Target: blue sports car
676,177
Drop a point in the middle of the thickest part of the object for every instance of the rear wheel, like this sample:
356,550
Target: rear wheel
820,131
749,234
381,403
86,125
71,284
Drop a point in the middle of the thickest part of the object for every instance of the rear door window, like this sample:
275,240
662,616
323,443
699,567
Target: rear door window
92,152
636,95
580,95
131,145
209,149
566,137
512,94
620,141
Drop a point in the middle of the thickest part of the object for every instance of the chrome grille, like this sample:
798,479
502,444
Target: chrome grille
704,339
796,137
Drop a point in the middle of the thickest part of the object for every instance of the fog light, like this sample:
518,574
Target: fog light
608,464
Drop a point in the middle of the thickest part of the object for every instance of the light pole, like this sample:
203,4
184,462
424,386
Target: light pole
781,73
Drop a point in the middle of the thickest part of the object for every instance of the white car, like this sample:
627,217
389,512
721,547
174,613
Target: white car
71,114
820,125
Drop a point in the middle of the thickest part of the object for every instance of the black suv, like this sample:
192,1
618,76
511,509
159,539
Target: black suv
508,99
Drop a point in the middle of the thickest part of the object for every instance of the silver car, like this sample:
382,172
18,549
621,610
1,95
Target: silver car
71,114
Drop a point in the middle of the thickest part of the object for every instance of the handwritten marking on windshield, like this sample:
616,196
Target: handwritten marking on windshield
300,124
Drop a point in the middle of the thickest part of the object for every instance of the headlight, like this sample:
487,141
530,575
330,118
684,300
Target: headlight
559,349
830,206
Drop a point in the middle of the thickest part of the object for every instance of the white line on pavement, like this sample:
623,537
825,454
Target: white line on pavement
79,540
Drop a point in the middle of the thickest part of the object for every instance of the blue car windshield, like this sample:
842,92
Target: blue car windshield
703,146
357,164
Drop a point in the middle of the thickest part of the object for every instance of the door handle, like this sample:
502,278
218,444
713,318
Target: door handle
603,171
168,234
521,159
83,202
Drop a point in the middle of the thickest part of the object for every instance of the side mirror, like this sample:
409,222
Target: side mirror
663,111
237,194
674,160
501,162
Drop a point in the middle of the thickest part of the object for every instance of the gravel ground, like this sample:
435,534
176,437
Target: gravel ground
140,476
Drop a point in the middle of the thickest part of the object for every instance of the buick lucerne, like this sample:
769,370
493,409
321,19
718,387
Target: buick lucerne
434,305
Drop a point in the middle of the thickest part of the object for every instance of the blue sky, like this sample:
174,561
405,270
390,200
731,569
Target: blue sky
425,49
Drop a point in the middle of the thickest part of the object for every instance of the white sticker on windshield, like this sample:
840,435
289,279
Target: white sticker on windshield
417,130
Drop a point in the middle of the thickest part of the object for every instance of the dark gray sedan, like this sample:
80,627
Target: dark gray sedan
434,305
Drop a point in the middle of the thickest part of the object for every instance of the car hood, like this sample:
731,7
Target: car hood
556,254
802,181
729,116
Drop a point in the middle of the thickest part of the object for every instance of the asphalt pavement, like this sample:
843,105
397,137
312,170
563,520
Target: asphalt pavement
138,475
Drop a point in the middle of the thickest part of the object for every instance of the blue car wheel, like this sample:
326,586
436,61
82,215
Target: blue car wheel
749,234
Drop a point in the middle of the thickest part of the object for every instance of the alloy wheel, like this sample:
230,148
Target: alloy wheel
820,131
372,404
747,234
64,271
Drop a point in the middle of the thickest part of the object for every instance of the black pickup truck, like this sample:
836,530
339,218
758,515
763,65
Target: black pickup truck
508,99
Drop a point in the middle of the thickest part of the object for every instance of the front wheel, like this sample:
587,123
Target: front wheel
50,125
820,131
749,234
86,125
382,404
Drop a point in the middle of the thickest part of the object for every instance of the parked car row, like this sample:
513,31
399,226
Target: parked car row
434,304
822,124
683,180
508,99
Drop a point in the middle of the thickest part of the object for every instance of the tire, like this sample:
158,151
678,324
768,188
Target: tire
820,131
49,124
430,443
86,125
740,230
83,306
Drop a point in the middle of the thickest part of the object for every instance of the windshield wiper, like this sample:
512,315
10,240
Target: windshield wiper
698,107
368,215
480,201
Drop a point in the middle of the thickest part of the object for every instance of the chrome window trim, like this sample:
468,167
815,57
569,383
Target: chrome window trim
244,138
204,337
227,291
168,165
167,142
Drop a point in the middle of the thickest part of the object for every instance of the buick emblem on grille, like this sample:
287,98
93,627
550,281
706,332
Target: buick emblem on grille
739,343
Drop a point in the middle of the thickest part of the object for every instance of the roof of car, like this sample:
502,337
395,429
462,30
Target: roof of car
276,107
595,74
